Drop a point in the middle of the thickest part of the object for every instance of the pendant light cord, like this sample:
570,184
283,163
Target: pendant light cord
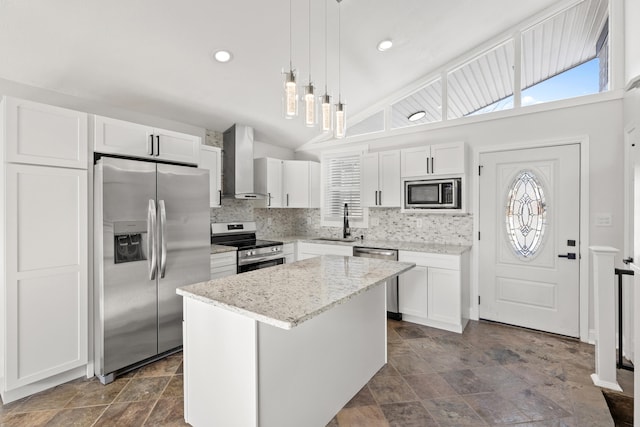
290,39
309,42
339,50
326,56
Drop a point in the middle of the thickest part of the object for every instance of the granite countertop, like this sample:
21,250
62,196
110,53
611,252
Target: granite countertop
434,248
218,249
287,295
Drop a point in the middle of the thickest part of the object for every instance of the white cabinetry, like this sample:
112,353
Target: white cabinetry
44,135
223,264
310,250
44,255
301,184
289,252
439,159
124,138
381,179
267,179
210,160
436,292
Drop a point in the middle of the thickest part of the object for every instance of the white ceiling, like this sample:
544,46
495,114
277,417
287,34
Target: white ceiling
154,56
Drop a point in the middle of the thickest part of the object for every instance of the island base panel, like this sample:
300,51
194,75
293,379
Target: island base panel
240,372
308,373
220,360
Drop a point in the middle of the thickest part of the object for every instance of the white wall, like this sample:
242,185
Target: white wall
601,122
44,96
263,149
632,39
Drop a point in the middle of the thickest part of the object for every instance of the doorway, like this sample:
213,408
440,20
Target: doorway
529,237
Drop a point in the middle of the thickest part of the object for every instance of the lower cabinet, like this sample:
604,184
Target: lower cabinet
310,250
289,252
436,291
223,264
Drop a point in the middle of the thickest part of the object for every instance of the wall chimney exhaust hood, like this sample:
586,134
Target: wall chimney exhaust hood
237,163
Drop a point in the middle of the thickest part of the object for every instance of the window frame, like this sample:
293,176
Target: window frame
362,222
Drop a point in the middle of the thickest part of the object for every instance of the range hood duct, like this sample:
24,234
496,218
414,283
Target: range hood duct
237,163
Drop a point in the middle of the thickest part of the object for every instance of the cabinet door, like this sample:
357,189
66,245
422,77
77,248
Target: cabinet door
113,136
389,179
414,161
210,160
46,272
412,292
448,159
295,176
274,183
45,135
314,184
444,295
370,180
176,146
267,179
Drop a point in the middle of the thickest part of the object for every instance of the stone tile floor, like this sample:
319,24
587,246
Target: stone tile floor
489,375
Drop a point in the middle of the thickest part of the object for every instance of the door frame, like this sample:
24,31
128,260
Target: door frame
583,141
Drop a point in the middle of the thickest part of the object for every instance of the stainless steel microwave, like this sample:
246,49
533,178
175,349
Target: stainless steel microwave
432,194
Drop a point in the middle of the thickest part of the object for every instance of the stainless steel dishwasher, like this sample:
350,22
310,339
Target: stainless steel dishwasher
393,310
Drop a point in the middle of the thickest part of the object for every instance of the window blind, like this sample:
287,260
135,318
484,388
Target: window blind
342,185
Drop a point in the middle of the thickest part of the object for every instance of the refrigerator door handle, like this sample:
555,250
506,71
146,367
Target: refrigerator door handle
151,239
163,238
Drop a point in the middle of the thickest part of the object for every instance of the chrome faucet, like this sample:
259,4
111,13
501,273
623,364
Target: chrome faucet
346,231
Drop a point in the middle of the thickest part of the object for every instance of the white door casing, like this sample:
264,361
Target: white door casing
631,232
539,290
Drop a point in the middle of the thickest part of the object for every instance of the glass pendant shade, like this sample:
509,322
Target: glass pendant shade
290,95
327,118
309,106
341,120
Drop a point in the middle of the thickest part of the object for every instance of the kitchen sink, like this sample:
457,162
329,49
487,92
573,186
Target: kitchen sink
337,239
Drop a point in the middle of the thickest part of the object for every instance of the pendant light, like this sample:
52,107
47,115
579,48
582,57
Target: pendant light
290,95
309,96
327,117
340,110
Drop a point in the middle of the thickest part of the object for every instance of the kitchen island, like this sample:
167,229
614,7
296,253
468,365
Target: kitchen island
284,346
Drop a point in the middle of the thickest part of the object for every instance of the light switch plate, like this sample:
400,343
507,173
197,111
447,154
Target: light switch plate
603,220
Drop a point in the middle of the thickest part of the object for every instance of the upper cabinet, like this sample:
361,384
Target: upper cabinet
381,179
131,139
267,179
439,159
210,160
45,135
301,184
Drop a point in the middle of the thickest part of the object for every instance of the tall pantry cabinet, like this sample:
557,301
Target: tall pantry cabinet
44,247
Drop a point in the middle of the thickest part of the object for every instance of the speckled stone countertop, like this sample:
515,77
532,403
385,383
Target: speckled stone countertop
218,249
434,248
287,295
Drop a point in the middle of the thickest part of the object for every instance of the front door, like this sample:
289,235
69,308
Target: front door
529,257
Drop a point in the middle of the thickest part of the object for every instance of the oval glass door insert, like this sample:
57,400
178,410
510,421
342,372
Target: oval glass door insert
526,214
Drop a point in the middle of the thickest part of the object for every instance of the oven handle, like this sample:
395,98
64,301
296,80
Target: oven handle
261,259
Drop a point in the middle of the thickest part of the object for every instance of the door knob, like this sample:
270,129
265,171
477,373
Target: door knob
570,255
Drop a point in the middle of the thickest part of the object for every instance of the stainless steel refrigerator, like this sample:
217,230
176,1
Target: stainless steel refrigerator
151,237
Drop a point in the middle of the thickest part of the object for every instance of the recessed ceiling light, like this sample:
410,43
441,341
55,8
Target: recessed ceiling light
222,56
385,45
416,116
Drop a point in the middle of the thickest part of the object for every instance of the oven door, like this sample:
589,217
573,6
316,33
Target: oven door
260,264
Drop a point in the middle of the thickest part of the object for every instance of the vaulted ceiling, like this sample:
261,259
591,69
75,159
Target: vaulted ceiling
154,56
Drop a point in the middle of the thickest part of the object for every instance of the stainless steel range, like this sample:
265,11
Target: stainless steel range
253,253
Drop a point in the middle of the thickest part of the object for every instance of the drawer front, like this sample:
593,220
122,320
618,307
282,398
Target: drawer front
219,272
450,262
223,259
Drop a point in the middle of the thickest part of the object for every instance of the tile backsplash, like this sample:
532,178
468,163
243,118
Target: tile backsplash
391,224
